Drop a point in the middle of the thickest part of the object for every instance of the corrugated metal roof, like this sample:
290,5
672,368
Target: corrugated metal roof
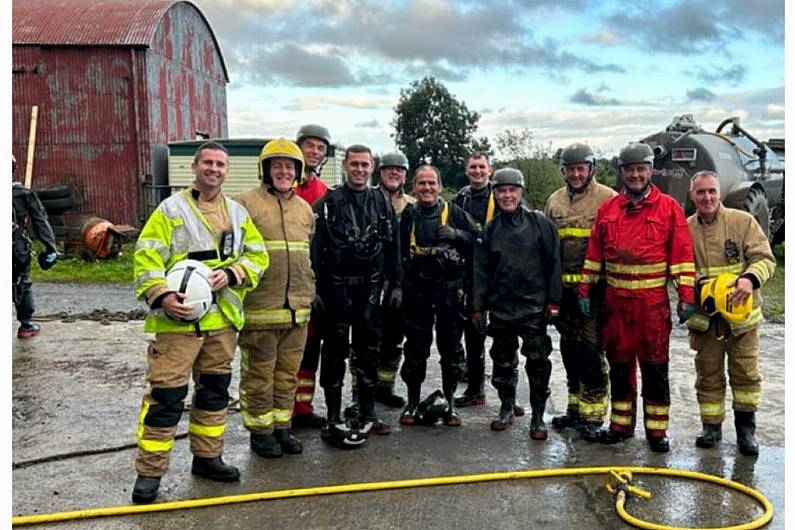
93,22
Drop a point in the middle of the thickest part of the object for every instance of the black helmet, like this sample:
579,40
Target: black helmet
396,159
635,153
508,175
433,408
313,131
577,154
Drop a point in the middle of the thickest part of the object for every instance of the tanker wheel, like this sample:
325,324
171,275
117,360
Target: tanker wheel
755,203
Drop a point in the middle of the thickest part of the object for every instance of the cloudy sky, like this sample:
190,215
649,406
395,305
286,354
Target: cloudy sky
603,72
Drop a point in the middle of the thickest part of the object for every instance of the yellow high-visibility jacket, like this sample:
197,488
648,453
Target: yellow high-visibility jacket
288,286
573,214
177,230
733,242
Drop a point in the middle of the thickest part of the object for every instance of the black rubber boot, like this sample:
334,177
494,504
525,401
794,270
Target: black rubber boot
265,445
610,436
451,417
505,418
352,410
288,442
308,421
710,435
333,406
145,489
385,394
539,392
410,415
570,419
475,394
214,469
590,431
658,444
745,424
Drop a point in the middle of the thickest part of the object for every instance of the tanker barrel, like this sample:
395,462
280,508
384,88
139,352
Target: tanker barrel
659,151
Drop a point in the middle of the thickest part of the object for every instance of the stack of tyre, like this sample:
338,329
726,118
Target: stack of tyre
57,201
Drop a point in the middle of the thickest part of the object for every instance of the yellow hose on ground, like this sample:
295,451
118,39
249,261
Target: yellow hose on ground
622,476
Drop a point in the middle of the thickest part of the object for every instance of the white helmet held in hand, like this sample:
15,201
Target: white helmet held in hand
190,278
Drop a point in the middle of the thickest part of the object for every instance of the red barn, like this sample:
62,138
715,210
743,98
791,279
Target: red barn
115,81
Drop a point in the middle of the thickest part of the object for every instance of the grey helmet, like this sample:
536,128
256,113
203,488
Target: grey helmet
577,154
433,408
508,175
396,159
635,153
313,131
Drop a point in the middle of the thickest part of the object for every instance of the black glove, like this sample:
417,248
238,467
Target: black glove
446,233
317,304
47,260
396,298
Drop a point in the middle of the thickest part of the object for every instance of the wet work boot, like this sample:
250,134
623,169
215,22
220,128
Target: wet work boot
539,392
265,445
27,330
658,444
385,394
745,424
710,435
145,489
411,415
333,406
590,431
214,469
570,419
309,420
351,412
474,395
610,436
505,418
288,442
451,417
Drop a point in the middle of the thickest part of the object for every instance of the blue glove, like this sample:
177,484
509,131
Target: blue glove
685,311
47,260
585,306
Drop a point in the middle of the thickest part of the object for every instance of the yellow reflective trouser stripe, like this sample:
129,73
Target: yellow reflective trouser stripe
292,246
306,382
282,415
276,316
656,424
746,397
151,446
636,284
679,268
711,409
735,268
210,431
572,278
386,376
623,406
657,410
303,397
623,268
592,409
263,420
620,420
574,399
573,232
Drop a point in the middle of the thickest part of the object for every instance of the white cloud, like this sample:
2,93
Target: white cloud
606,37
324,102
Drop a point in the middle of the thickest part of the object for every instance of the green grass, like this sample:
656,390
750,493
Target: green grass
773,290
75,270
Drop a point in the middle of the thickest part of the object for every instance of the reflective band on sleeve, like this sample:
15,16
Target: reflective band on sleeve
292,246
735,268
681,268
156,245
687,280
152,274
623,268
209,431
592,265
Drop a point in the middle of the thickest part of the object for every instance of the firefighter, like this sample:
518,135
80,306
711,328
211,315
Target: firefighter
726,240
26,205
573,208
477,199
354,250
201,224
277,311
517,280
639,240
436,240
392,172
315,142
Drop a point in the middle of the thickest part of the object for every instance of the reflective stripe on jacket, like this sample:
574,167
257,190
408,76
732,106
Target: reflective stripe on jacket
733,243
177,228
573,214
288,286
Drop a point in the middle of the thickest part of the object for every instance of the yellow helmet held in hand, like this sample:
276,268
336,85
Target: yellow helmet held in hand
716,298
280,148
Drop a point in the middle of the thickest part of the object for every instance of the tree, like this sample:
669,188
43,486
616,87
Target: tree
433,127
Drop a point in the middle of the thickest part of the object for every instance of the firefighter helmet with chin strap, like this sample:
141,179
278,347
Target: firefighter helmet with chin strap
191,278
280,148
349,434
396,159
716,297
508,175
433,408
635,153
578,154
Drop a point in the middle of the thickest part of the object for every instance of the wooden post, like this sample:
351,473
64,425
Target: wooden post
34,116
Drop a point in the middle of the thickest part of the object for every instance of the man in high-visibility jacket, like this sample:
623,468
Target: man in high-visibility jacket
573,208
277,311
726,240
639,240
198,223
315,142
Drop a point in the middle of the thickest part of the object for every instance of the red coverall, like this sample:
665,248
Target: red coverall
639,248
